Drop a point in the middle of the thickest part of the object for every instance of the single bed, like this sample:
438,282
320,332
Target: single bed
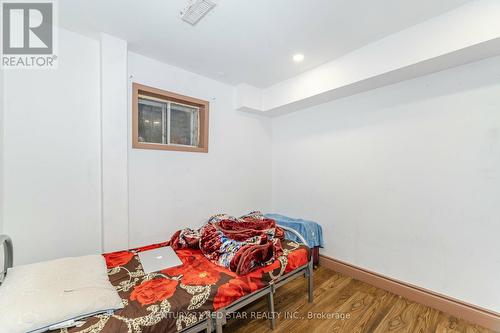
193,297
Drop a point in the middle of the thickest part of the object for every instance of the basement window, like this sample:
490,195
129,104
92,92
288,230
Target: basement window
168,121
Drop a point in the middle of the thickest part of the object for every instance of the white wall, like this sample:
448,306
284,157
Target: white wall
51,155
404,179
114,143
54,189
170,190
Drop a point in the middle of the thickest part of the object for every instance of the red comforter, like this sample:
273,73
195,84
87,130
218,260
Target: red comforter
239,244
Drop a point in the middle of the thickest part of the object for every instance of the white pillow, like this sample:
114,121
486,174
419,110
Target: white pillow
34,297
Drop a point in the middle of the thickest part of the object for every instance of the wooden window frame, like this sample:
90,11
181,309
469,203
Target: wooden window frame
203,106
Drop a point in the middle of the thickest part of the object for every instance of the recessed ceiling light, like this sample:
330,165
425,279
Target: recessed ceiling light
298,57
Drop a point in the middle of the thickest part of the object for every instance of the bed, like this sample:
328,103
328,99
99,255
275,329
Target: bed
197,296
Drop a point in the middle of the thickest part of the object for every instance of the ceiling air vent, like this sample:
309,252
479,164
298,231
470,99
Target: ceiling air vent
195,10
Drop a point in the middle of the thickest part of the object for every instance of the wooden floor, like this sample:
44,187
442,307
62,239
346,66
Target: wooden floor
370,310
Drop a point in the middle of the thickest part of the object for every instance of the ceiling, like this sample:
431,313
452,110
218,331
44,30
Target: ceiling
249,41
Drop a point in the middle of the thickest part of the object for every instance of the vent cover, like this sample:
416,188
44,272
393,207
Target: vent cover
195,10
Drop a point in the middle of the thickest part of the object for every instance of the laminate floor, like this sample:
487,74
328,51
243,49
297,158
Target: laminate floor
343,304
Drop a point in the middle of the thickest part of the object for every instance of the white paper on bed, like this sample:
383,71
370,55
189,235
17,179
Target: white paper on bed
34,297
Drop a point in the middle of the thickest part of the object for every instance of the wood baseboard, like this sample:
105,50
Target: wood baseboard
454,307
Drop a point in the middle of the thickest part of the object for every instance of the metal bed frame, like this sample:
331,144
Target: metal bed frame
8,255
218,318
307,270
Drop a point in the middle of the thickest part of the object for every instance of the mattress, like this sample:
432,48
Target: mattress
176,298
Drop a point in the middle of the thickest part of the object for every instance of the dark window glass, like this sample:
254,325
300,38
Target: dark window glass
152,120
183,125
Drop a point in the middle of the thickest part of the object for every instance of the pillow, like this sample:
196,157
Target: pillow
37,296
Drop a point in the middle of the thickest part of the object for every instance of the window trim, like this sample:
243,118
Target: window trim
139,90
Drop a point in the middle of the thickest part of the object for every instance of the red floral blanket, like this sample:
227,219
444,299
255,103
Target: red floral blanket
240,244
175,298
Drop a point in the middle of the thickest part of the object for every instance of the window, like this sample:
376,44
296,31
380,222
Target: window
168,121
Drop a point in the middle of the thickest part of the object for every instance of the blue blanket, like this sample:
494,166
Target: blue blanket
310,230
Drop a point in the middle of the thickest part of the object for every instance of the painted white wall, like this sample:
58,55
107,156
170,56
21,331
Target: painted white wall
247,98
51,155
114,139
404,179
171,190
